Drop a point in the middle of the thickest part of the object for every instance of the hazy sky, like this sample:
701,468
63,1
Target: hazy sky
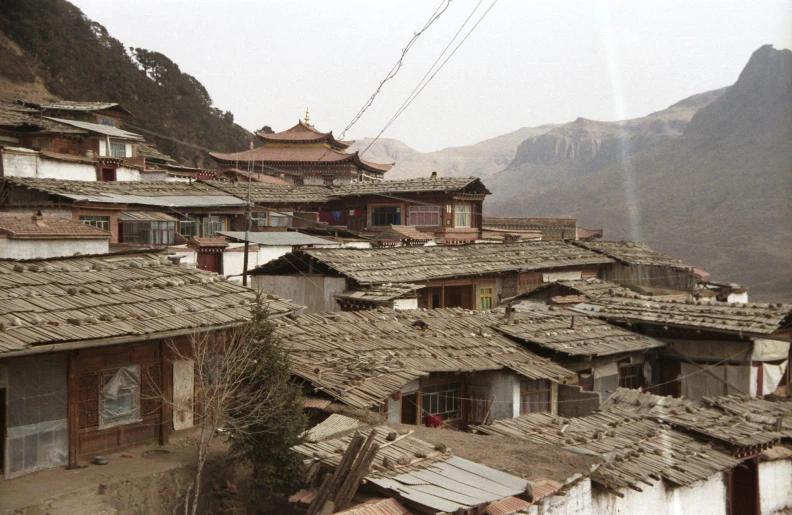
526,64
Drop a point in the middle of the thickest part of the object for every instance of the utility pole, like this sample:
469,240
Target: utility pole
248,216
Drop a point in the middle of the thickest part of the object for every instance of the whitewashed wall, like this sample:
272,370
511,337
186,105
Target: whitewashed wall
42,249
775,486
399,304
28,163
124,174
708,497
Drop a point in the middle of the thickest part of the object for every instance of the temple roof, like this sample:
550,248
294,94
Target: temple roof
296,154
303,133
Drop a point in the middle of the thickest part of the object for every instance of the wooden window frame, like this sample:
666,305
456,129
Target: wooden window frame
486,296
630,375
100,222
463,216
531,395
418,216
443,395
396,215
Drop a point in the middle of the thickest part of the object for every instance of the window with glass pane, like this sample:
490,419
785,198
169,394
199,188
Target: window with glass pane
630,376
280,220
534,396
119,400
118,150
147,233
385,215
213,224
101,222
442,399
424,215
189,227
259,219
462,213
485,297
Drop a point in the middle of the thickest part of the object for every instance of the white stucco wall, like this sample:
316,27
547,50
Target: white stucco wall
405,304
775,486
28,163
313,291
41,249
704,497
124,174
268,253
233,262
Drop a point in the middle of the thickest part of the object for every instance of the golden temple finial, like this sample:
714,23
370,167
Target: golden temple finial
307,117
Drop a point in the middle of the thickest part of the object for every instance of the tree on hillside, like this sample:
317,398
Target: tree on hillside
243,386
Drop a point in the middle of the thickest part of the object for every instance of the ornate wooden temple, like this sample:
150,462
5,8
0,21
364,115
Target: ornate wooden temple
306,156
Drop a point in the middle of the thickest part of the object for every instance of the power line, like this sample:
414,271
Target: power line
412,97
396,67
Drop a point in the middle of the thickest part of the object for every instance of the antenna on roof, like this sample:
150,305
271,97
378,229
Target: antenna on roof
307,117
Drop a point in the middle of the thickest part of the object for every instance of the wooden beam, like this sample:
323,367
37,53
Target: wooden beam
73,394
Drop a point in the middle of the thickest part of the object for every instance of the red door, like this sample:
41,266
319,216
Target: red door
211,261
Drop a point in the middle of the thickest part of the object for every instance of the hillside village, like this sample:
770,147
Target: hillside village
419,329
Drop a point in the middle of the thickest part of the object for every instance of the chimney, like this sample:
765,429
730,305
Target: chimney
174,259
510,315
251,145
433,176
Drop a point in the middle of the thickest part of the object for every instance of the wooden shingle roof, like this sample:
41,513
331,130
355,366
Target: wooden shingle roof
753,318
414,264
265,193
574,334
361,357
471,185
115,298
638,449
632,253
18,226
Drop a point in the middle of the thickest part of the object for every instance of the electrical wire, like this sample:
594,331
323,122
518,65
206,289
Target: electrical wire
396,67
410,100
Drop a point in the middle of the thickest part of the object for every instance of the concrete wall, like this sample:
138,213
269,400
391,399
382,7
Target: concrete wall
704,497
775,486
124,174
503,386
28,163
41,249
573,401
314,291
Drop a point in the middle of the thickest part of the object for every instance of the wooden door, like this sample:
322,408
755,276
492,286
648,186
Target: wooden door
211,261
744,488
409,409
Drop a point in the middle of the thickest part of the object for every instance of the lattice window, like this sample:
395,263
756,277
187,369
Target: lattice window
462,215
486,295
424,216
100,222
535,396
631,376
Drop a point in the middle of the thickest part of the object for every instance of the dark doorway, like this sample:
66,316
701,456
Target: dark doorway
3,414
409,409
107,175
211,261
744,488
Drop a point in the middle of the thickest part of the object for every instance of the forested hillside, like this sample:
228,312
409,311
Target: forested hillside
75,58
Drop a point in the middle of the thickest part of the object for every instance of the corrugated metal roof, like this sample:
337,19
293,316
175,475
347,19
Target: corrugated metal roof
107,130
278,239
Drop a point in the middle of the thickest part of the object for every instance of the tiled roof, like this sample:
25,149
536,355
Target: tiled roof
144,216
134,296
262,193
387,506
404,232
70,105
297,154
632,252
14,116
205,241
551,227
242,176
155,193
573,334
379,294
637,449
753,318
302,133
444,184
419,263
40,227
149,152
106,130
361,357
